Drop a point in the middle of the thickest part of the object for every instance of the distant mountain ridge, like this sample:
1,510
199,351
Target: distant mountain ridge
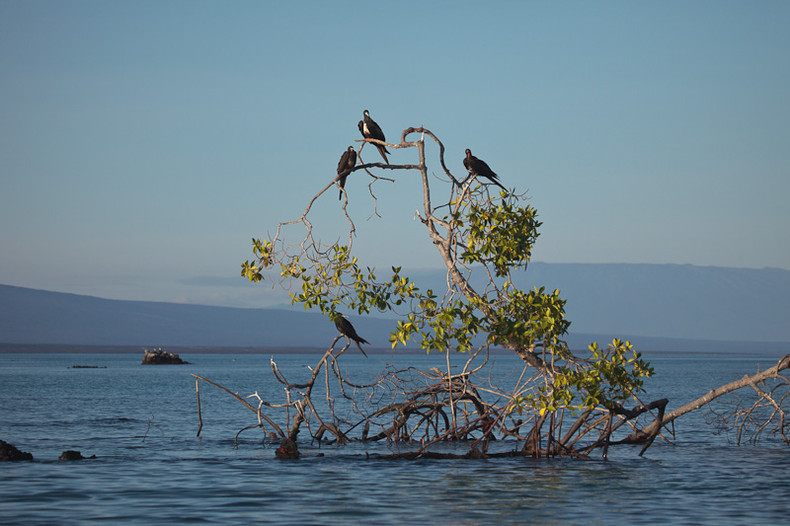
677,301
655,302
44,317
662,300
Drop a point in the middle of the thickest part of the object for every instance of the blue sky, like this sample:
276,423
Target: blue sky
143,144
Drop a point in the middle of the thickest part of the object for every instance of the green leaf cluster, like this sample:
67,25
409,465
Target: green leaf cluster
439,328
501,234
264,258
611,375
522,319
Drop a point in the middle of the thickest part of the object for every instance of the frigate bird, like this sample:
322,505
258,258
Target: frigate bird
476,166
347,330
347,162
370,130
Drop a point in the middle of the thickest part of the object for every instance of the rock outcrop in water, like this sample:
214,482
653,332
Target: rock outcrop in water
9,452
73,455
161,357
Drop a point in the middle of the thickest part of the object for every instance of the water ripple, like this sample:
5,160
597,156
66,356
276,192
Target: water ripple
152,469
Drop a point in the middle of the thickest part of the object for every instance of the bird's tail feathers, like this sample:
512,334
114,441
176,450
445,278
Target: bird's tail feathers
383,151
360,347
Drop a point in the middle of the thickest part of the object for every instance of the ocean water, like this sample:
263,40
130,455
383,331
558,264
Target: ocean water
151,468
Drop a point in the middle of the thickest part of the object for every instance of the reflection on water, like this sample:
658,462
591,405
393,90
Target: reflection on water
140,422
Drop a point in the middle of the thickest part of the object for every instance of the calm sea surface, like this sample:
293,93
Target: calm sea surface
150,468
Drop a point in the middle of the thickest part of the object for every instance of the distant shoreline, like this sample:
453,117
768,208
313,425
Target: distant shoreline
34,348
689,347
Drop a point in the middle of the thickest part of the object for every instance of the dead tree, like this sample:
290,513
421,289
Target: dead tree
560,403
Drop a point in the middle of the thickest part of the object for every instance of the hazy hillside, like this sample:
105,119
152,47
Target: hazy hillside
675,301
669,302
35,316
681,301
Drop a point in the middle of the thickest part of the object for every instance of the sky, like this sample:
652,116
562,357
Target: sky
144,144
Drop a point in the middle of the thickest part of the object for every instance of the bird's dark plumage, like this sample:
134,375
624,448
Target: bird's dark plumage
347,330
347,162
370,130
477,167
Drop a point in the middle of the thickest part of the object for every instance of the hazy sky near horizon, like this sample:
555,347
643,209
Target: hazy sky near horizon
143,144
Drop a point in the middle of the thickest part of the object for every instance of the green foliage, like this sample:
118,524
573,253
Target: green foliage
496,235
333,281
523,319
611,375
499,234
451,327
264,259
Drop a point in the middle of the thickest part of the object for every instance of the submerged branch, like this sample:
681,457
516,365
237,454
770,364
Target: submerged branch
713,394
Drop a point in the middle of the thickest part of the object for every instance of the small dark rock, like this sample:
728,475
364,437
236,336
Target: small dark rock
160,357
71,455
74,455
287,450
9,452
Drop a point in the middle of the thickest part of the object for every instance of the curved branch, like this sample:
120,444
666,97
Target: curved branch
713,394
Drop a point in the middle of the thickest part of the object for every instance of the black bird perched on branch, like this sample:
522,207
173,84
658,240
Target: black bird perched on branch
370,130
347,330
347,162
477,167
